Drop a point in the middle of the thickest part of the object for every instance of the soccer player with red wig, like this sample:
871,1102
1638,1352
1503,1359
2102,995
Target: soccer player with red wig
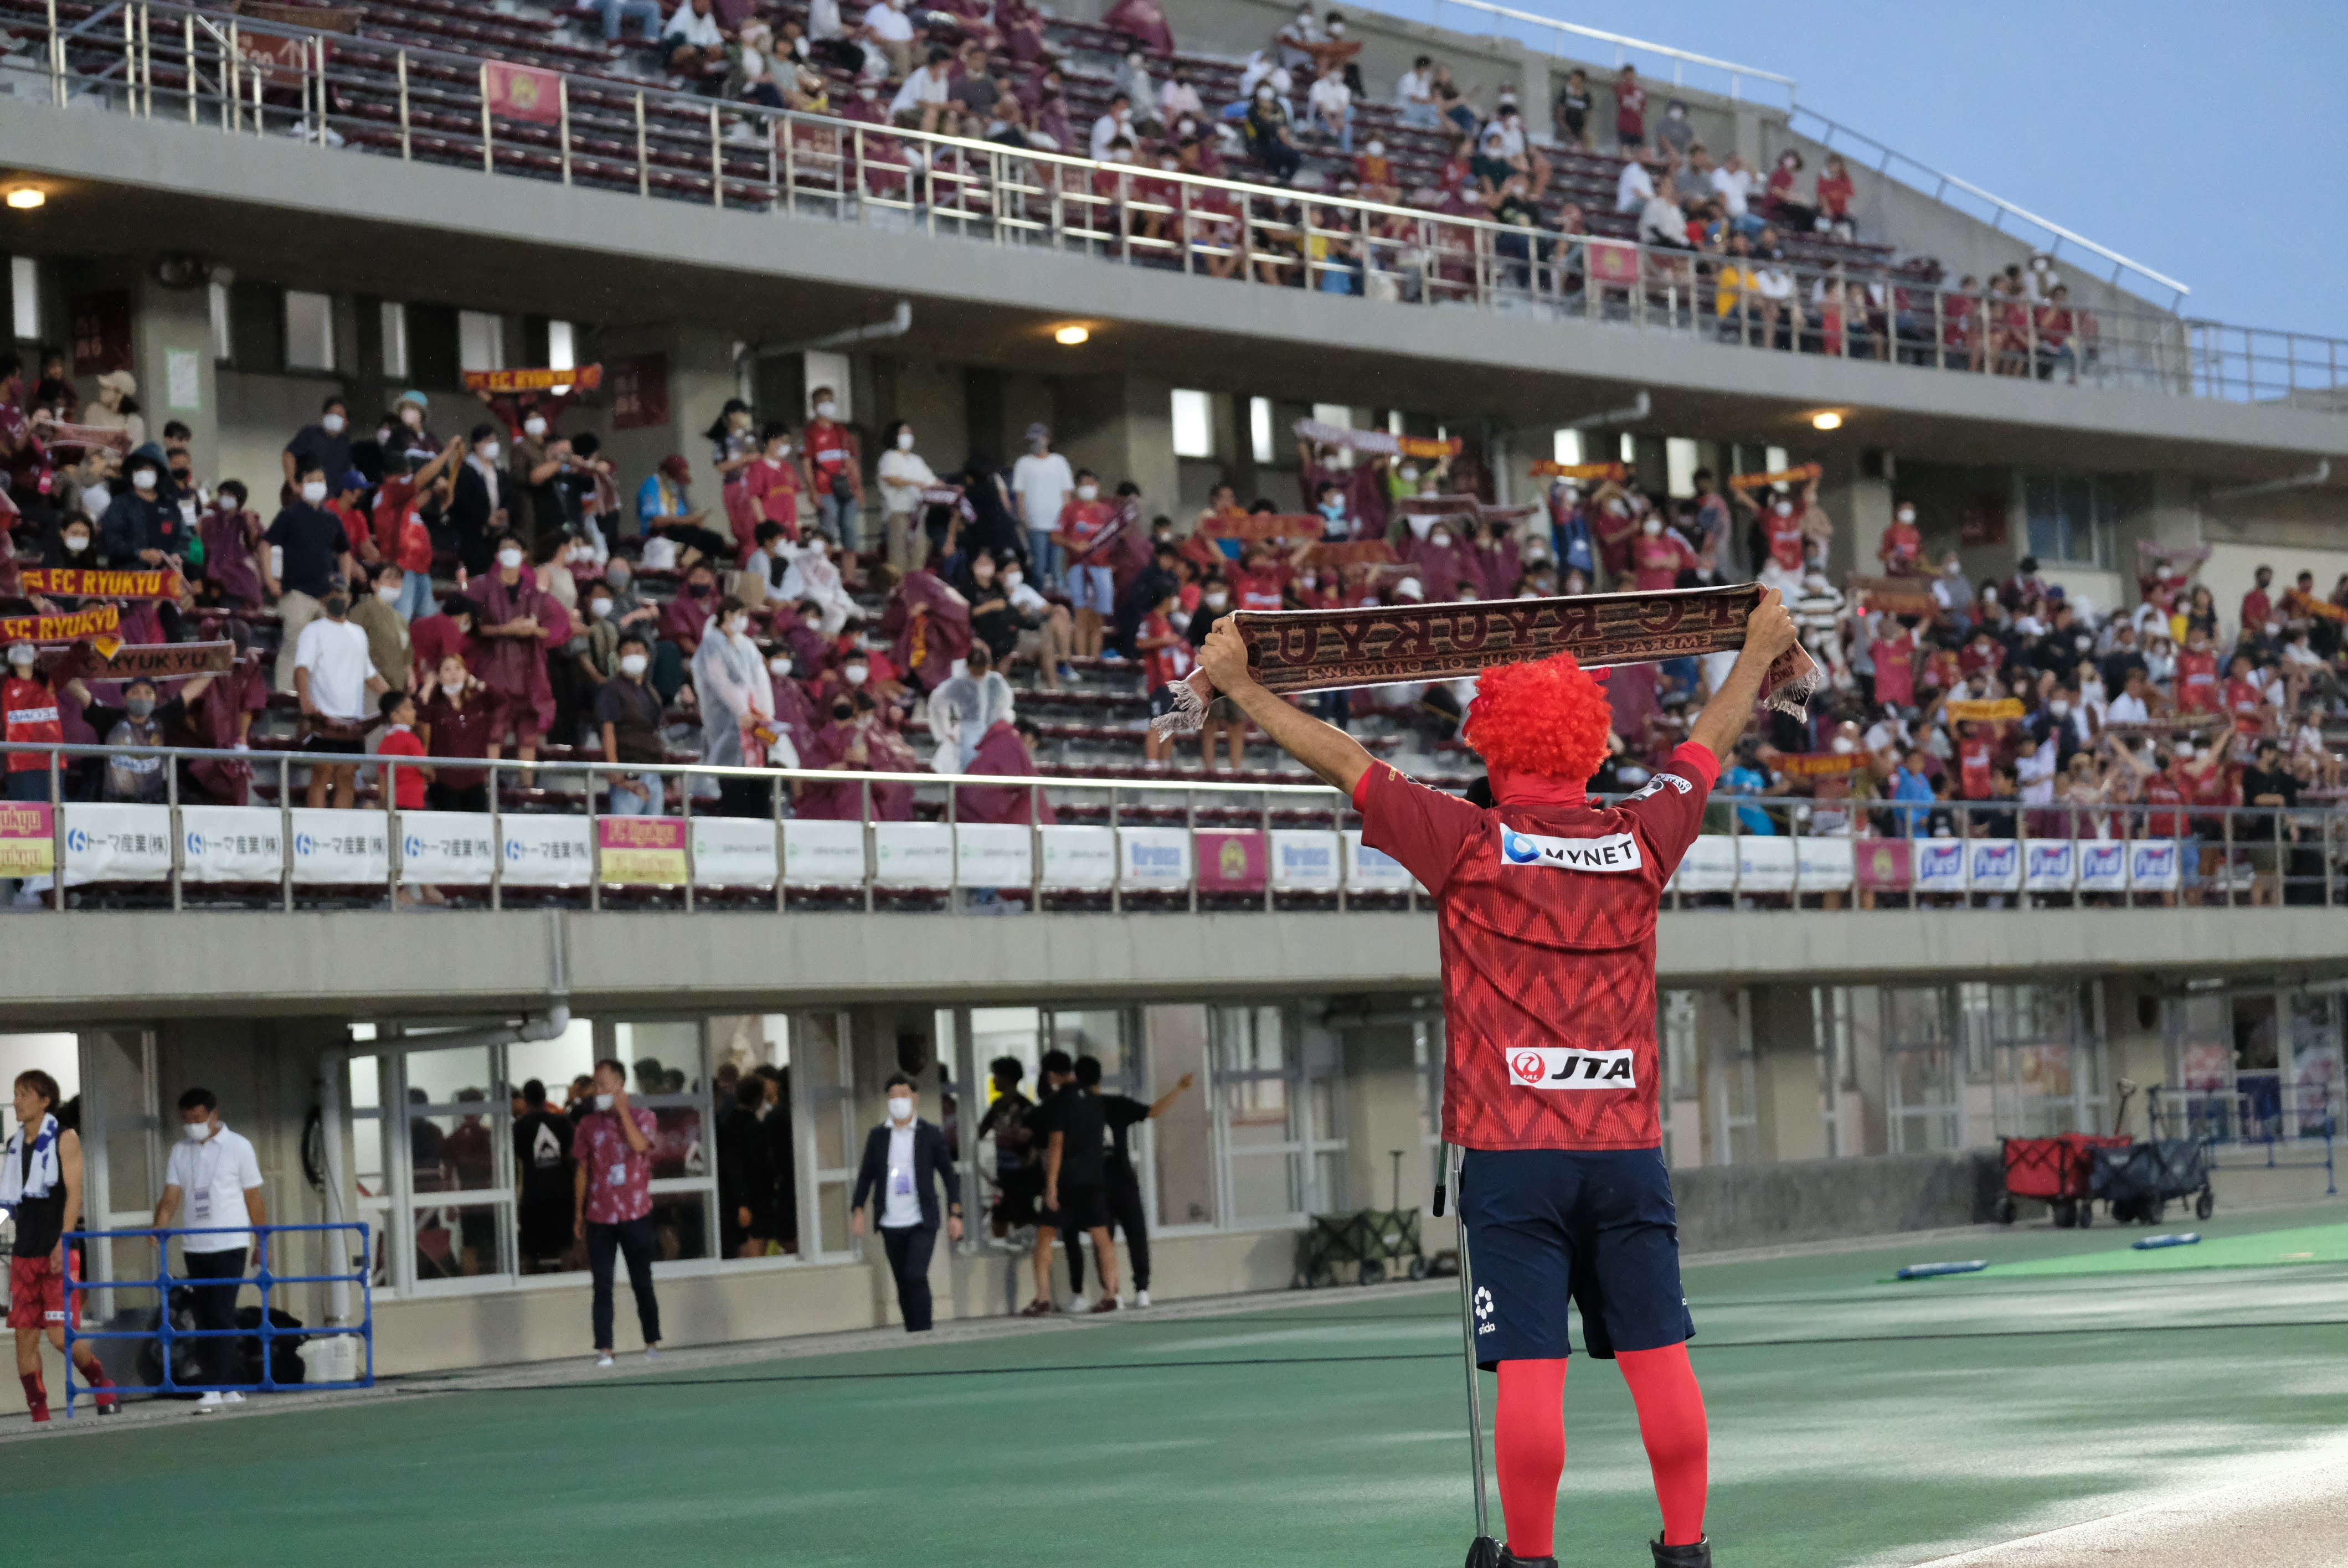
1544,904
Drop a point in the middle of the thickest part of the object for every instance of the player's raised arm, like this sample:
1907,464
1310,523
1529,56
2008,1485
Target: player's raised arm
1768,632
1327,750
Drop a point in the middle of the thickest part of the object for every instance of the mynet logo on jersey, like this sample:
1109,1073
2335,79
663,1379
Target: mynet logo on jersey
1614,852
1548,1067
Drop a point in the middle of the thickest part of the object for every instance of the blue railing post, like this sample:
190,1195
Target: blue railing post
166,1337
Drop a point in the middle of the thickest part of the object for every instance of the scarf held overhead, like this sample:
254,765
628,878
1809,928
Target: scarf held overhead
1294,651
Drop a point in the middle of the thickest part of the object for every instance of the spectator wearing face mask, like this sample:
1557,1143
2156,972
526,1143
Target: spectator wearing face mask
904,1159
230,534
389,643
1042,482
308,552
795,709
337,684
1901,548
401,533
735,699
628,713
1092,590
611,1204
964,708
903,477
32,717
324,446
836,466
520,621
1271,140
213,1171
141,527
455,723
477,510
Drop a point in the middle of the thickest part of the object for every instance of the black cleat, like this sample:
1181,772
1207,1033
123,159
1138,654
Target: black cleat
1511,1560
1696,1556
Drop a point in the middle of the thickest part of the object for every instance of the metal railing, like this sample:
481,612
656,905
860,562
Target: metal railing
2261,1115
165,1335
2051,236
1529,24
167,61
1144,844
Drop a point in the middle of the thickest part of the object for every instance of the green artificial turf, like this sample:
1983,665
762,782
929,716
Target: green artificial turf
1852,1424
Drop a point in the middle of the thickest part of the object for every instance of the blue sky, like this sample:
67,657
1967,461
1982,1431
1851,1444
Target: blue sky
2169,132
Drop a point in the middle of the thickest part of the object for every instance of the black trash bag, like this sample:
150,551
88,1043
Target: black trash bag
187,1359
285,1365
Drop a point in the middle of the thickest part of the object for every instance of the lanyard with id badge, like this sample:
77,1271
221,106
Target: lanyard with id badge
207,1161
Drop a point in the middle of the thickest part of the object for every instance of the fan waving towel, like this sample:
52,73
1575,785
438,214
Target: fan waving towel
1292,651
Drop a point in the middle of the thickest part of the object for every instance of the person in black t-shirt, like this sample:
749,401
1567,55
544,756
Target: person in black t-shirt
745,1181
1122,1113
1069,1129
40,1184
542,1150
2270,785
1018,1165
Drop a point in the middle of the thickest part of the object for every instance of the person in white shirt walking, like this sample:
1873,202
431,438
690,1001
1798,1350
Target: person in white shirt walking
904,1158
213,1172
1041,481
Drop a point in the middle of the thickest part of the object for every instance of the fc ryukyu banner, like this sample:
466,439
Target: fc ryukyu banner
579,378
1986,713
28,844
640,851
521,92
1356,552
152,660
92,622
59,433
70,582
1896,595
1795,476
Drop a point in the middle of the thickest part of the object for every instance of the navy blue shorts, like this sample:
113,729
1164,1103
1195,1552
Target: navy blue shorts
1597,1227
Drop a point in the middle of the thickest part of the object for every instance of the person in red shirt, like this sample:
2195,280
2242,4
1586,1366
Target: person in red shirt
2245,697
1976,760
30,704
399,740
1084,519
344,505
1834,189
1902,544
1658,556
2197,676
399,524
1166,658
2258,605
1630,110
836,468
1895,667
1261,580
1546,903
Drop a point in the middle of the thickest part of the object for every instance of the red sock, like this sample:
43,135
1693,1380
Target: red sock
1528,1451
36,1395
95,1374
1671,1423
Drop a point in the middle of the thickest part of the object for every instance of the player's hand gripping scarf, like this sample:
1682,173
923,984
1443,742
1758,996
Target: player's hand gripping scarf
1292,651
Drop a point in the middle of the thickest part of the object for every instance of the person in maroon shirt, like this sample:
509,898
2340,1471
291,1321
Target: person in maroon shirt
224,720
2258,605
434,638
1546,903
519,622
455,722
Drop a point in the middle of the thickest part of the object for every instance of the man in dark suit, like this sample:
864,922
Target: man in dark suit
902,1158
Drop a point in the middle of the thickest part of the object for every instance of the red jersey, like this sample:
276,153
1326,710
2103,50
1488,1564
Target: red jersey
32,720
1630,111
1834,195
1902,543
1259,590
1083,523
2160,789
2197,681
1785,538
1895,670
1164,666
1547,914
1656,562
1974,758
354,525
830,457
2256,610
2244,699
2217,785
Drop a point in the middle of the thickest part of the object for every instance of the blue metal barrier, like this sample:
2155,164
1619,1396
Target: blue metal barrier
2260,1111
165,1335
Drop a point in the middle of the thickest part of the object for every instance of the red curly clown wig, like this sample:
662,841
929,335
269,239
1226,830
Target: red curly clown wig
1547,717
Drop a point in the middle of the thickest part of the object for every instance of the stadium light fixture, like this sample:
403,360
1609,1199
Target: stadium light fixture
1830,420
25,197
1071,335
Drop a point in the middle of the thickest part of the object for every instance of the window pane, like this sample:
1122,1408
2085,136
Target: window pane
1185,1134
1680,464
679,1145
394,318
558,1063
365,1091
1100,1035
1194,424
454,1153
309,331
366,1157
1260,441
1263,1186
216,301
662,1058
25,296
1257,1111
481,341
1565,446
458,1243
680,1226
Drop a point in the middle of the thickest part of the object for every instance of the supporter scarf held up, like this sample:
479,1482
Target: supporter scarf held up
1294,651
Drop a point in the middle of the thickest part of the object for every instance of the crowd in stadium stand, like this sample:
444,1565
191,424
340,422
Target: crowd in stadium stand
453,581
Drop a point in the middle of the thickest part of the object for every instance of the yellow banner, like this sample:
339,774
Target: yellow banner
28,840
1973,713
583,378
640,851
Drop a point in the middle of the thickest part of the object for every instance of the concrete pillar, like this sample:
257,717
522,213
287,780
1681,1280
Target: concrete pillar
1122,427
1748,137
2135,1047
1786,1074
171,340
1383,1115
1860,507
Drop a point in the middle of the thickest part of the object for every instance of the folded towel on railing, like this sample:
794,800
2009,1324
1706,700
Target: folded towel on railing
1294,651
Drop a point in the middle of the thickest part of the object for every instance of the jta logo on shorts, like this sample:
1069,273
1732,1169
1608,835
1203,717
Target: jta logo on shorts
1544,1066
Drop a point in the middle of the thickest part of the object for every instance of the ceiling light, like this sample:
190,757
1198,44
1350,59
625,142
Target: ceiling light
1069,337
1827,421
25,197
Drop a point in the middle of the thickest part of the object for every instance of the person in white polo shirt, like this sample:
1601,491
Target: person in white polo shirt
213,1171
335,678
